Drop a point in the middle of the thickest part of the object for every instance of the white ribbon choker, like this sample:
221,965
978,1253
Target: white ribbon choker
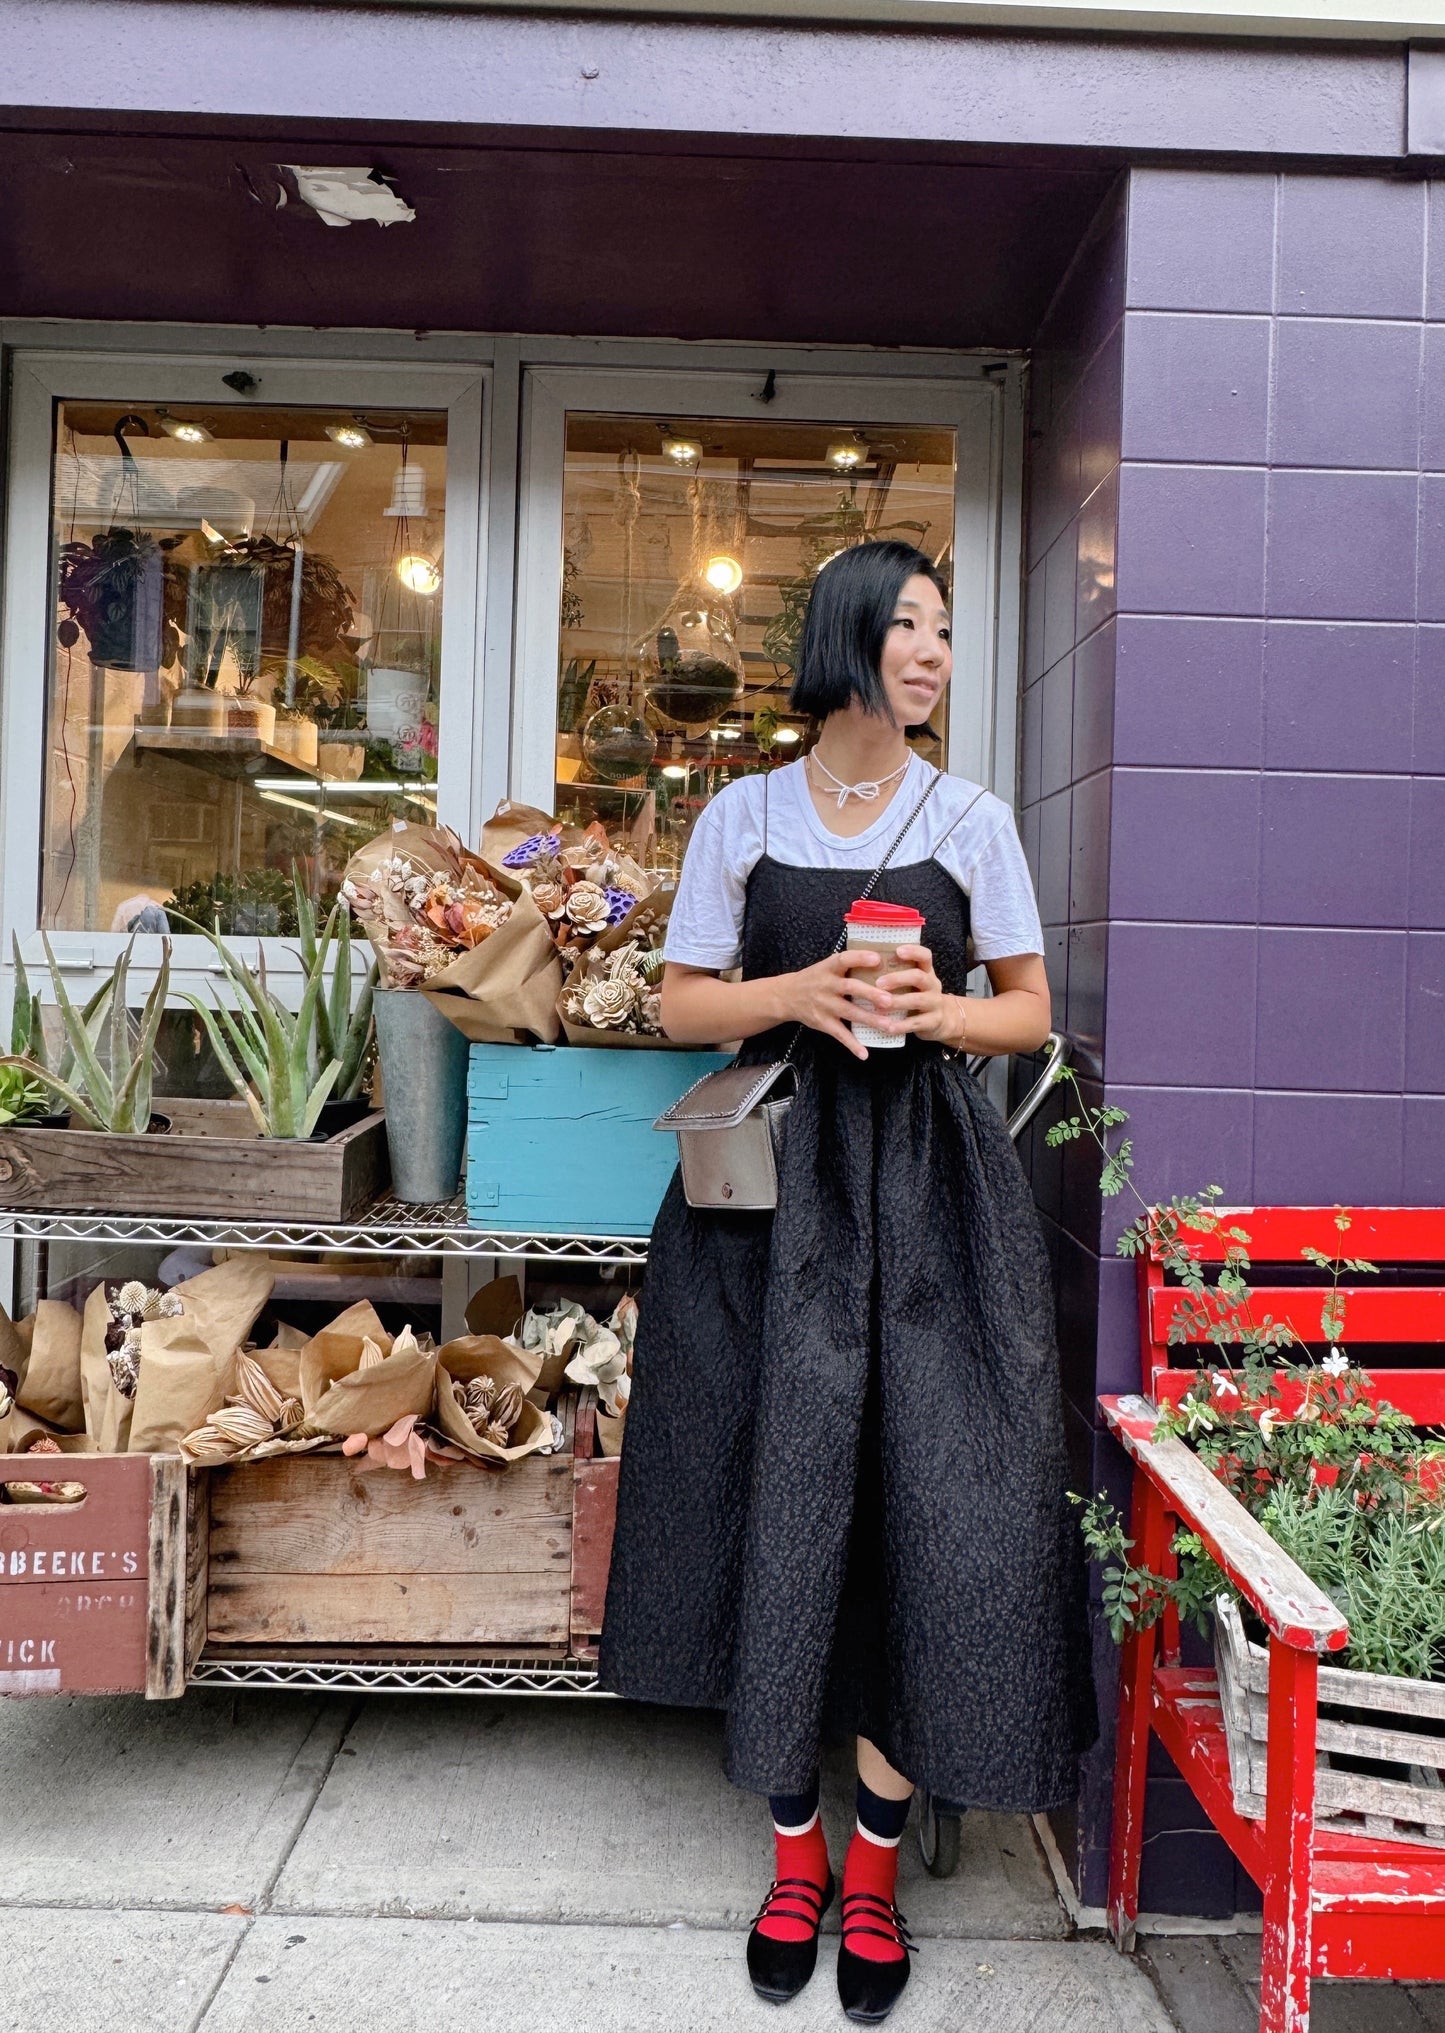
866,792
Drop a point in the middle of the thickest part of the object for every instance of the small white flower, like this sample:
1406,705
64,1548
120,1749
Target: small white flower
1335,1363
1225,1387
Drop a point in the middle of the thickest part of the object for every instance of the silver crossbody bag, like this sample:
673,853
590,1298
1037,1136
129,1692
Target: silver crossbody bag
729,1125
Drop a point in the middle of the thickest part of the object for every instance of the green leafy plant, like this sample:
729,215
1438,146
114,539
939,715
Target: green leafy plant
22,1097
257,904
286,1065
114,1097
345,1032
27,1025
1339,1478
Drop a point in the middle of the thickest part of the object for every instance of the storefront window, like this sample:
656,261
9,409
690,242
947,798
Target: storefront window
690,547
245,634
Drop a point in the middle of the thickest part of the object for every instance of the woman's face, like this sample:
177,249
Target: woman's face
917,659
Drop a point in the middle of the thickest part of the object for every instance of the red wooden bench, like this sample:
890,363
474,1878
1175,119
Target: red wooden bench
1336,1905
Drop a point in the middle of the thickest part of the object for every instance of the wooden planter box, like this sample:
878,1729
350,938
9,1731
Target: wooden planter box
101,1596
1395,1722
211,1164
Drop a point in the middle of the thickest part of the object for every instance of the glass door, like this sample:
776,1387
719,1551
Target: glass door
688,539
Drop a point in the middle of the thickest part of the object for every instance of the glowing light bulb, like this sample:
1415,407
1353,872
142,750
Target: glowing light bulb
787,737
351,436
723,574
186,432
418,572
681,451
847,453
675,770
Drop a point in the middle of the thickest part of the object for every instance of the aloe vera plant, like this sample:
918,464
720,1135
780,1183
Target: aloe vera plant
286,1065
343,1032
115,1098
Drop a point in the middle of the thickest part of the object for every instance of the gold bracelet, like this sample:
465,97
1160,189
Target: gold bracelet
957,1051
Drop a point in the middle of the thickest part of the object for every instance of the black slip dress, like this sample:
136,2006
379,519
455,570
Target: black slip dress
842,1500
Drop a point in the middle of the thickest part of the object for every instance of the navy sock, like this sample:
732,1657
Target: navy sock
794,1810
885,1819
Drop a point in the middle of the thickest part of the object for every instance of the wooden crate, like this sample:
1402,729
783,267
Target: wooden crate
561,1140
1375,1716
198,1175
314,1550
99,1597
594,1520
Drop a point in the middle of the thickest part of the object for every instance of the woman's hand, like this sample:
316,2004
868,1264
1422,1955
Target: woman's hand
827,999
911,998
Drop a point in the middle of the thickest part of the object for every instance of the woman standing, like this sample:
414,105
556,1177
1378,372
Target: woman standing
842,1497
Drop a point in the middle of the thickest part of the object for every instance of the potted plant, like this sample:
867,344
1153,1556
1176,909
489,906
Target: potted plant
111,590
259,903
1343,1482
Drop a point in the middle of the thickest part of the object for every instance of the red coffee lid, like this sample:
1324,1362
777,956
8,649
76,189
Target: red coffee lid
883,914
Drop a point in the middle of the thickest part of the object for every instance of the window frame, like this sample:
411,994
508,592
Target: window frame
981,736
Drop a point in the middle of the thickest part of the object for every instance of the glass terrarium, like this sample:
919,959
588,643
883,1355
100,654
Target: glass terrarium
690,549
245,634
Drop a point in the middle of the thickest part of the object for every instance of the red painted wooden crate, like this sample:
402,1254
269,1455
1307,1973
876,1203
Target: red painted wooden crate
93,1594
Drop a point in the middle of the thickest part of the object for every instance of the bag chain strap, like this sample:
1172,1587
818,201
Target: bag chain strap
872,884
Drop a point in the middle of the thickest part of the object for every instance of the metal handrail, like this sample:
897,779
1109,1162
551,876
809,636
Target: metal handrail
1059,1046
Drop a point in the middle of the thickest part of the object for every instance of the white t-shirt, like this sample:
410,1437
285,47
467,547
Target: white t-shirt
970,833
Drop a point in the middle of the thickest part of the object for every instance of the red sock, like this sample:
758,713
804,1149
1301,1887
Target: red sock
870,1868
800,1854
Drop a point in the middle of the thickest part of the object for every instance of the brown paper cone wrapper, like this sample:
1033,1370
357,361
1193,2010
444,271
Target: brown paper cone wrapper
188,1360
371,1400
51,1387
486,1355
609,1434
183,1379
22,1429
282,1360
507,985
510,825
336,1350
496,1307
107,1413
532,1431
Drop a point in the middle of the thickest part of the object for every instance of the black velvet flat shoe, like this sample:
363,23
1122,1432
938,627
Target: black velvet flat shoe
779,1969
868,1990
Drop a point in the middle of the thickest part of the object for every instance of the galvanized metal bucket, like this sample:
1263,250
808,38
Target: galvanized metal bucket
424,1075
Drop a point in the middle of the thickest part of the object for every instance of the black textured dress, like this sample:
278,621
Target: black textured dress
842,1500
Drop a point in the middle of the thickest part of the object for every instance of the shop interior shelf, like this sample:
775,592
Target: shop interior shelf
235,753
389,1228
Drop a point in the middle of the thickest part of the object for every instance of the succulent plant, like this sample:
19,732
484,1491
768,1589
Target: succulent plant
22,1097
286,1065
116,1098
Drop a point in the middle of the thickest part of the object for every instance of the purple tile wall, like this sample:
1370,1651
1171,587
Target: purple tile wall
1233,779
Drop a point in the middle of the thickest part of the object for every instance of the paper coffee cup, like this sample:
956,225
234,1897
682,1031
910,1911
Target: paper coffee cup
875,927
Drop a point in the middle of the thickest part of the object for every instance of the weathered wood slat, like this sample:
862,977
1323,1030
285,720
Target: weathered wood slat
1418,1393
198,1555
1399,1235
1393,1313
1282,1593
390,1609
166,1598
594,1525
310,1516
294,1180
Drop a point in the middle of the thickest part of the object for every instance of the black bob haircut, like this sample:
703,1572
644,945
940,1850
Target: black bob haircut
850,612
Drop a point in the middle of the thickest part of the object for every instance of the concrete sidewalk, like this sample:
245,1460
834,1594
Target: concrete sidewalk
426,1865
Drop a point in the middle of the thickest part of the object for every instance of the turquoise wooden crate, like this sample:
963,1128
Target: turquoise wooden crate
561,1139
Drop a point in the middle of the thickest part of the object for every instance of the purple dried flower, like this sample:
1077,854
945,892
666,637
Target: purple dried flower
619,903
532,849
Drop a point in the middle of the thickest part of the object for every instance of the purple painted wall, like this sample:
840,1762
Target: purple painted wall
1234,738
